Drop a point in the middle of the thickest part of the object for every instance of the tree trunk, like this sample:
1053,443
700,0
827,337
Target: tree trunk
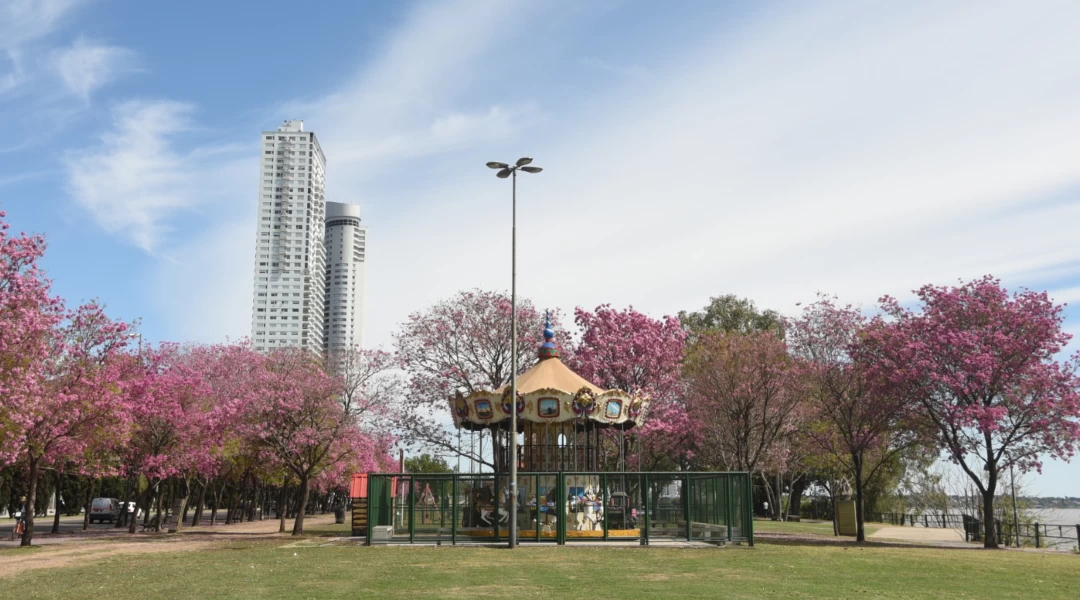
244,488
860,520
59,499
213,511
141,503
179,504
151,497
298,525
90,501
282,508
795,500
990,537
31,497
229,507
157,503
128,497
197,519
835,512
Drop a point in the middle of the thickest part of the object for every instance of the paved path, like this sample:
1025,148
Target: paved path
919,534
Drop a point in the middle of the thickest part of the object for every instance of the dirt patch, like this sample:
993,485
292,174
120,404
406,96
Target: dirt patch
70,553
12,563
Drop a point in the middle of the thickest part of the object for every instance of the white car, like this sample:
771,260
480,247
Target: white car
105,510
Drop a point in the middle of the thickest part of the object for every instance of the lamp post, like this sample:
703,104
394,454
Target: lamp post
505,171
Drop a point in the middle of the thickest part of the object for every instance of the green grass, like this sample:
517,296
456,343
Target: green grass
282,569
812,527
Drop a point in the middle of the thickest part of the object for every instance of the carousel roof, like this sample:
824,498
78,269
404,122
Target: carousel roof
550,392
551,373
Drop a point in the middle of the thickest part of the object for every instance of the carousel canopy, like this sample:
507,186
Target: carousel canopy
550,392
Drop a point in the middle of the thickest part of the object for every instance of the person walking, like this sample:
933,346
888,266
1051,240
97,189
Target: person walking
20,519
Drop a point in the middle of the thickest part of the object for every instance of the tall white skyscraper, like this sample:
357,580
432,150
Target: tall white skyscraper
346,277
290,255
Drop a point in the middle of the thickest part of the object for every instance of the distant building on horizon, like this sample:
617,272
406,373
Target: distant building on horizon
310,254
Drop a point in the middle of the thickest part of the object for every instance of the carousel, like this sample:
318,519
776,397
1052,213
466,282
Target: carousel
572,481
565,424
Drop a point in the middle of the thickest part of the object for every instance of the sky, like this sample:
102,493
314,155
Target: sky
773,150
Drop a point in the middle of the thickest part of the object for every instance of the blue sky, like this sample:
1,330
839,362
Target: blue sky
772,150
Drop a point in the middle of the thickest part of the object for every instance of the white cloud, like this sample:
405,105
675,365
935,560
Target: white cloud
86,66
23,23
135,182
626,70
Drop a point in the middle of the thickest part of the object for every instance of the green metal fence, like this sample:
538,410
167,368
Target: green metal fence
560,508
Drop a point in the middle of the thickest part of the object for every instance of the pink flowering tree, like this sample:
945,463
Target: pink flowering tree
77,399
28,316
169,424
459,344
300,420
746,398
858,420
230,373
981,366
628,350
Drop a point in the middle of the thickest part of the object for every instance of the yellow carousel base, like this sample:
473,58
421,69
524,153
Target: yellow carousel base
526,534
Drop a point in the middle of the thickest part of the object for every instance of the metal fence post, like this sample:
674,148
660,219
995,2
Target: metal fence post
645,506
454,511
686,506
412,511
1037,540
604,502
560,524
496,501
729,496
748,512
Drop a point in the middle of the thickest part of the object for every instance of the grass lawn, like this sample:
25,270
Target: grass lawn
814,527
283,569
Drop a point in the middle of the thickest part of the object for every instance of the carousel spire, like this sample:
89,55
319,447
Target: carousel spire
548,349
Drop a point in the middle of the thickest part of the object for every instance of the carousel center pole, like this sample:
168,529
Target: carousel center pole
505,171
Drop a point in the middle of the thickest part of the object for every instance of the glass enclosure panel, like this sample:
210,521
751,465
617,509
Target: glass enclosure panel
561,507
708,507
584,507
666,519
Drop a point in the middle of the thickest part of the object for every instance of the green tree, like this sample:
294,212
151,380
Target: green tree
729,313
426,463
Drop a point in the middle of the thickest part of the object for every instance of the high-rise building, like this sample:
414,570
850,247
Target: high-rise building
290,255
346,277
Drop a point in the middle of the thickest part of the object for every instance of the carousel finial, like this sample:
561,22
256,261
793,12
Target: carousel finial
548,349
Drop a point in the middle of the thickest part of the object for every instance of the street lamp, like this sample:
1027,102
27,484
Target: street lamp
505,170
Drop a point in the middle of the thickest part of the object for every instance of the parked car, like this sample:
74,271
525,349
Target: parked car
105,510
